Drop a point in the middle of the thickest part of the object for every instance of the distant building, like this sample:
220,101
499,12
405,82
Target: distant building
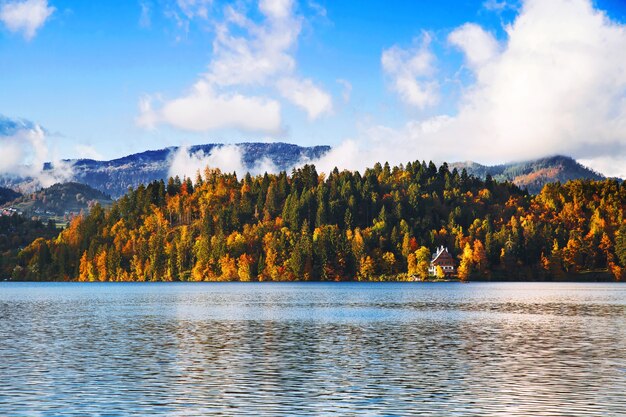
443,259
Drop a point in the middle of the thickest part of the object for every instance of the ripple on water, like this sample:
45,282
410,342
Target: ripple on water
312,349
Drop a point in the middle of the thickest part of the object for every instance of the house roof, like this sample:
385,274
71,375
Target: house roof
441,251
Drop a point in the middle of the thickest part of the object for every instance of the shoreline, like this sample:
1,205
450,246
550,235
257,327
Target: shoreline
440,281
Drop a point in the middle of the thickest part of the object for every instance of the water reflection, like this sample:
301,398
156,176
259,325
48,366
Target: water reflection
312,349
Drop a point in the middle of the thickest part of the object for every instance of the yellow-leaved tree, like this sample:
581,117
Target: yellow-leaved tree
366,268
465,266
439,272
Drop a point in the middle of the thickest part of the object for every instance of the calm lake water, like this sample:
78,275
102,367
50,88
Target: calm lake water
444,349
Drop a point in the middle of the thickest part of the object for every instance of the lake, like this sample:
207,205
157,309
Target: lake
298,349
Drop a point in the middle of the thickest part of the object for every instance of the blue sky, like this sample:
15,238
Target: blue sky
109,78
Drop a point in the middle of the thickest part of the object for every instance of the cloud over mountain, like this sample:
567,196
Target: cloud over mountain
25,150
555,85
203,109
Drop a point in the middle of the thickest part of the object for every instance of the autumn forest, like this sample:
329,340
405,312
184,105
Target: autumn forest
382,224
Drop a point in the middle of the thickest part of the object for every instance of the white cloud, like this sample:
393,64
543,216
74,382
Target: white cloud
318,8
609,165
411,72
228,158
145,20
247,56
195,8
182,12
495,5
347,89
88,152
148,117
305,94
203,109
24,153
558,86
60,172
25,16
478,45
12,153
555,85
276,9
263,51
380,143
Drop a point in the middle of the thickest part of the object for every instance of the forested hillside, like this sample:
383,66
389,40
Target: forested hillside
114,177
533,175
60,199
17,232
381,224
7,194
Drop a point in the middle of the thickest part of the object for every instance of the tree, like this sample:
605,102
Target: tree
86,269
358,245
272,202
439,274
350,225
620,244
467,262
321,213
479,257
300,261
184,253
572,254
101,266
422,262
556,261
244,267
228,268
412,264
202,249
406,245
389,263
366,269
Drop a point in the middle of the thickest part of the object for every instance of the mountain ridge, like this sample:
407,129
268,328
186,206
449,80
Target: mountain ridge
533,174
115,176
59,202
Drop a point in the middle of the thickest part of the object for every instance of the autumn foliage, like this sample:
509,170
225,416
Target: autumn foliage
380,224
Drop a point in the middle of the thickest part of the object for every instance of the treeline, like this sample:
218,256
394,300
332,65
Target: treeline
382,224
6,195
16,233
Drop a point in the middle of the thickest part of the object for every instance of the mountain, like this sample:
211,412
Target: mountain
115,176
7,194
58,202
533,175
